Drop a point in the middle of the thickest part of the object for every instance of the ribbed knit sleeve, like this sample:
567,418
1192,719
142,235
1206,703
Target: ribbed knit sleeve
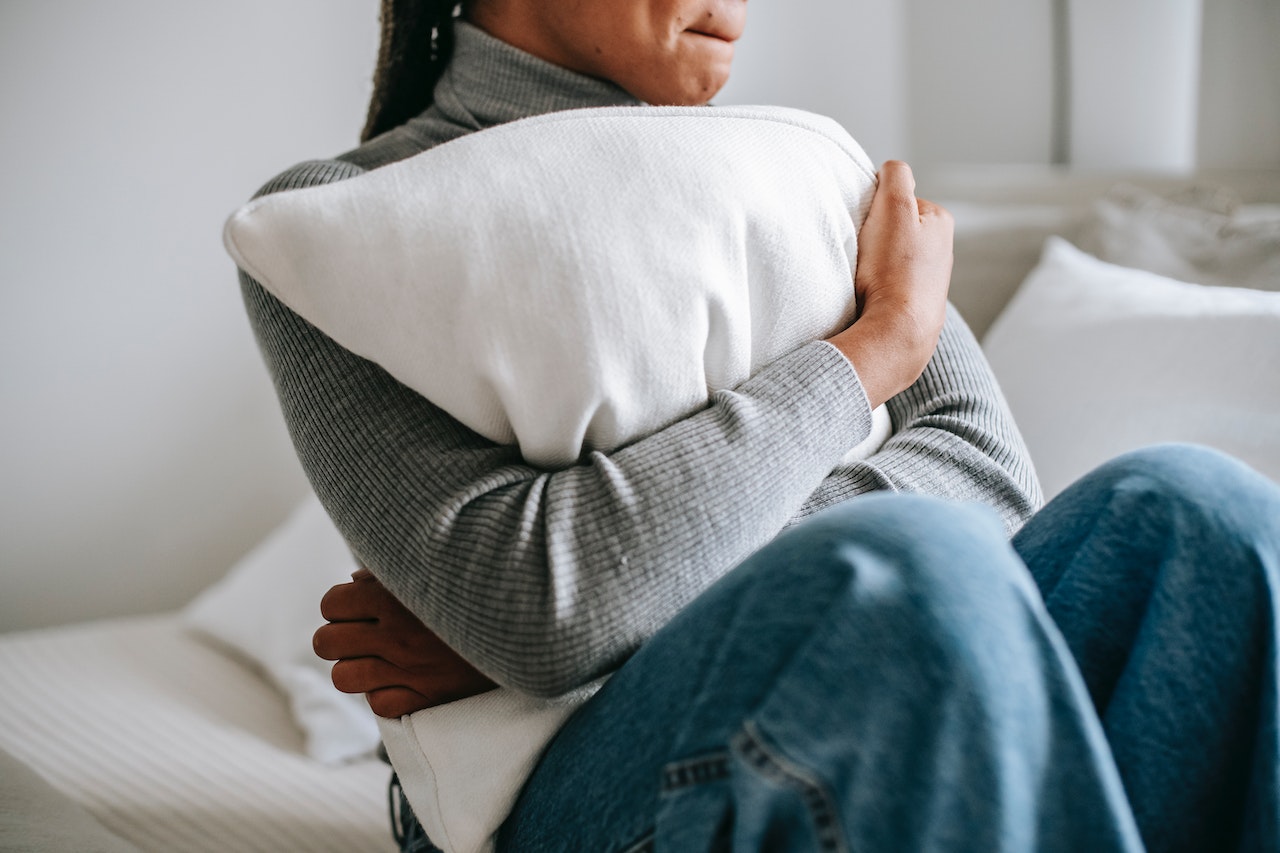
954,437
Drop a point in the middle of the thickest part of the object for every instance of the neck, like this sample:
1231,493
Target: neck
490,81
512,23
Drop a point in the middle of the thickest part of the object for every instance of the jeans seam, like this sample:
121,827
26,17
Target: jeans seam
751,745
694,771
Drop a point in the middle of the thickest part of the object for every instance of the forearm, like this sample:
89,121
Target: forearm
542,579
953,437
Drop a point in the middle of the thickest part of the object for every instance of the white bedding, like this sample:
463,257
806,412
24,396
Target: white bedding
1168,361
174,746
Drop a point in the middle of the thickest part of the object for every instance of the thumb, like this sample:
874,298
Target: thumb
896,191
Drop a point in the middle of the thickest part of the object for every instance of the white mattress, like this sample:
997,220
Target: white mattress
174,745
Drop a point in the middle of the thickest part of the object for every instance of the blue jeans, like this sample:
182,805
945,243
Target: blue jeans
889,675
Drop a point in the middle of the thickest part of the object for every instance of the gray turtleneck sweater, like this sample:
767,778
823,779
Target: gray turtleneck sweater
547,579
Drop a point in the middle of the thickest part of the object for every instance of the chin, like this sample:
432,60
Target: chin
686,92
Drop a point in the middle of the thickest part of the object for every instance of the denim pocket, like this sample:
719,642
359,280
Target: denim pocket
695,807
751,797
780,803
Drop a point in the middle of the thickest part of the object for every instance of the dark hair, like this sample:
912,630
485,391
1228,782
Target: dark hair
417,42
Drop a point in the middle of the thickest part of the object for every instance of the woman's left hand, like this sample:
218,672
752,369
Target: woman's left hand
385,652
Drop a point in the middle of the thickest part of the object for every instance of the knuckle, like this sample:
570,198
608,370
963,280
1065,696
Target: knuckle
936,211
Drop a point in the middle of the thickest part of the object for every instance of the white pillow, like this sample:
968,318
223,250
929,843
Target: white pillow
1098,359
267,608
578,280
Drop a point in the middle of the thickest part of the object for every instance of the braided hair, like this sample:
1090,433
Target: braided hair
417,42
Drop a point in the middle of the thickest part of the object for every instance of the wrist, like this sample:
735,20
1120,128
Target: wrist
887,350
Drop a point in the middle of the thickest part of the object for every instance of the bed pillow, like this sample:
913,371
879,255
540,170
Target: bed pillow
1098,359
1200,235
267,608
577,280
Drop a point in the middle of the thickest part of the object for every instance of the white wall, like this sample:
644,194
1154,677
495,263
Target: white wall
979,76
943,83
141,449
1240,84
842,58
931,81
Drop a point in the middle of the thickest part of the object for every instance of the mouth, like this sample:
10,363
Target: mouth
718,36
722,20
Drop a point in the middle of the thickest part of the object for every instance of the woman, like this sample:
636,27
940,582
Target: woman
883,674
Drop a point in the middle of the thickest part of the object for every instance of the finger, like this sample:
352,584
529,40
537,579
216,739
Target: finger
362,675
338,640
339,602
898,175
395,702
355,600
896,190
410,646
371,674
361,573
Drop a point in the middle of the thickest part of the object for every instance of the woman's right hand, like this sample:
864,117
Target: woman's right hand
904,271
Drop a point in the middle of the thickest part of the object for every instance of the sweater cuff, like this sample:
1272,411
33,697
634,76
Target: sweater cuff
822,391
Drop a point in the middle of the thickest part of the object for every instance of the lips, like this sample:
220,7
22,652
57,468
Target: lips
724,21
718,36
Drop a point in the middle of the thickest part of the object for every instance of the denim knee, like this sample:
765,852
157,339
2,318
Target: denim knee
933,638
1183,518
942,572
1220,497
934,542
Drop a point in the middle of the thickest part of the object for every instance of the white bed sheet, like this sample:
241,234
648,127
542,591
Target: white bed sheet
174,745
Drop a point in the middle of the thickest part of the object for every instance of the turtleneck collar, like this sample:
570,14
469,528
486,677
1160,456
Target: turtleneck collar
489,82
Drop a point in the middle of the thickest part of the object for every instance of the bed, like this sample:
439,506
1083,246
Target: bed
140,735
209,728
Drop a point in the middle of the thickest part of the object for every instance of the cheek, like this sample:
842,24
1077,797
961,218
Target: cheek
688,11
